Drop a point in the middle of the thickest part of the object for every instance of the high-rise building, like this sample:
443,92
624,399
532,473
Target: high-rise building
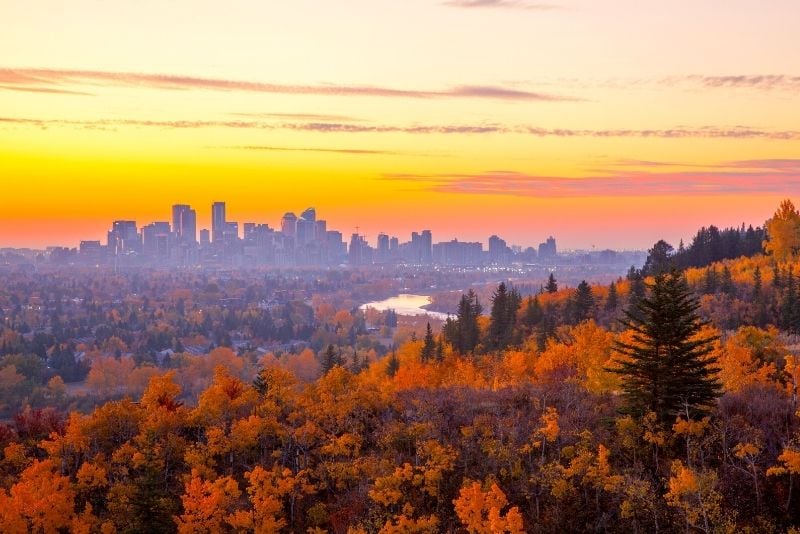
320,230
383,248
124,238
359,253
289,225
421,247
498,250
249,228
218,220
184,224
157,239
457,252
547,250
205,237
310,214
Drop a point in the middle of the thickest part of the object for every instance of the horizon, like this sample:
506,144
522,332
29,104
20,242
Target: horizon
618,136
204,223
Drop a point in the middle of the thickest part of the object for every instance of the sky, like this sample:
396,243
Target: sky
605,123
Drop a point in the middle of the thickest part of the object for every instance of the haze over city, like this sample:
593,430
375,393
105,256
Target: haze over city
608,126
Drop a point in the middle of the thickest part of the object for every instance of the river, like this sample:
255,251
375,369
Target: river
405,304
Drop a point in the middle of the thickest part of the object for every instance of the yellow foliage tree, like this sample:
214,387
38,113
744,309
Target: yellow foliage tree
481,512
783,231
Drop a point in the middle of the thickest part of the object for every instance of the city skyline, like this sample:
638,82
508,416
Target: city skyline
297,241
609,125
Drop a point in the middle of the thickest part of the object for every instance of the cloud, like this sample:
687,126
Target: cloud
500,4
348,151
50,77
300,116
43,90
702,132
766,82
754,181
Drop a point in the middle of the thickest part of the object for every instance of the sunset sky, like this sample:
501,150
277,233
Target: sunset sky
607,123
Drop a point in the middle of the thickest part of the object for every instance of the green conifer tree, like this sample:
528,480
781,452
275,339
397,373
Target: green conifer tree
666,368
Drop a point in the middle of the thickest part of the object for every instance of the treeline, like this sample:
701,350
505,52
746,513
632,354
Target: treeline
708,246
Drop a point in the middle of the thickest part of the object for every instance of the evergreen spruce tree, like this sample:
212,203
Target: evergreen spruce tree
637,289
394,365
469,309
551,286
428,345
726,283
666,369
613,298
789,303
711,283
583,303
498,319
532,315
503,317
330,359
439,353
260,383
760,317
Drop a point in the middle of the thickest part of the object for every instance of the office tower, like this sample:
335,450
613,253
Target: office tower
156,239
249,228
92,251
310,214
230,232
123,238
359,253
218,219
498,250
305,232
421,249
289,225
205,237
383,248
337,248
457,252
184,223
320,230
547,250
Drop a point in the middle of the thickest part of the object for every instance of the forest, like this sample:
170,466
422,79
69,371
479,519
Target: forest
665,401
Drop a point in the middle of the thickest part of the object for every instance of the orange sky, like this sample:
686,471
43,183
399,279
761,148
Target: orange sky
607,125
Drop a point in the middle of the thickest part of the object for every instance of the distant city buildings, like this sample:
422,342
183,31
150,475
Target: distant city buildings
300,241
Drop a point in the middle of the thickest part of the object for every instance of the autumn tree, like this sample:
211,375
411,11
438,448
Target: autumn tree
665,368
783,232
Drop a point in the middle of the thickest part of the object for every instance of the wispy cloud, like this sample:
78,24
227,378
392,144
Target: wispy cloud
347,151
761,81
702,132
55,77
299,116
500,4
756,180
51,90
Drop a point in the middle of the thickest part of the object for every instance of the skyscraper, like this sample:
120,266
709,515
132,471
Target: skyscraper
184,223
289,224
124,237
218,219
421,247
